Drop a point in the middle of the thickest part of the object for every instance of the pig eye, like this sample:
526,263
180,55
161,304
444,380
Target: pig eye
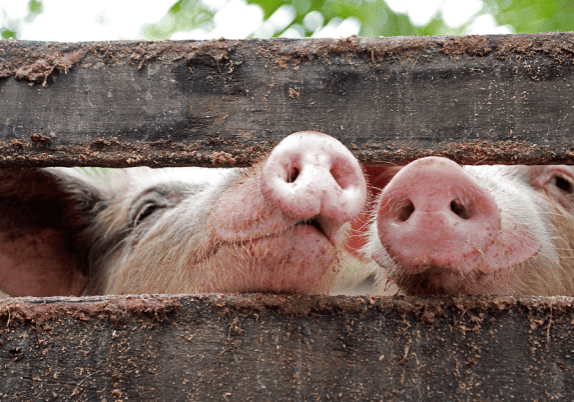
145,211
562,183
154,200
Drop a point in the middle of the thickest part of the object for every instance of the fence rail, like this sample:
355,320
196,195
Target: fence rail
475,99
281,348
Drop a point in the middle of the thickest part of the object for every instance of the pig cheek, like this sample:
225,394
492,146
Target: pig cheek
502,283
243,213
551,272
300,261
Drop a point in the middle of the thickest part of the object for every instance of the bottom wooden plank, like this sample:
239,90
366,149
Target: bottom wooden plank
285,348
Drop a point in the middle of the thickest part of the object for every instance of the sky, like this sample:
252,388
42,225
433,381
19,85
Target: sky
65,21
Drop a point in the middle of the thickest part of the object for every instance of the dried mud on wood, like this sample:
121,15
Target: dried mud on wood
35,61
38,152
474,99
281,348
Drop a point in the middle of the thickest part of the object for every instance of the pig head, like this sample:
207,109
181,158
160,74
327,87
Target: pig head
277,227
439,228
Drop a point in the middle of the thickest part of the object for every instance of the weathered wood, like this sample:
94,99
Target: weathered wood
279,348
475,99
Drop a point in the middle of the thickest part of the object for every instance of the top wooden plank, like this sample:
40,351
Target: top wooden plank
475,99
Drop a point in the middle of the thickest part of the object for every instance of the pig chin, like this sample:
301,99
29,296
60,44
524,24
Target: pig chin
298,260
440,281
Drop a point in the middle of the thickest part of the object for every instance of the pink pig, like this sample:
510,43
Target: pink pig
279,226
439,228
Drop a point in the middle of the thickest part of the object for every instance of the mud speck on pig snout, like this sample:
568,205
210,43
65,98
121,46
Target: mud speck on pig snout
439,228
276,227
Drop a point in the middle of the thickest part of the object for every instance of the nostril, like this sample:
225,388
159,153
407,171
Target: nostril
335,173
406,211
460,209
292,174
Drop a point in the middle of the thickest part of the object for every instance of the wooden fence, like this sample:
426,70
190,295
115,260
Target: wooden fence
474,99
281,348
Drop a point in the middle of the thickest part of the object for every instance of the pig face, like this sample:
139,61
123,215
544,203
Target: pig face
439,228
276,227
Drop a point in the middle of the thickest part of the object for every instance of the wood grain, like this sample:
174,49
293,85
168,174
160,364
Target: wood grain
475,99
278,348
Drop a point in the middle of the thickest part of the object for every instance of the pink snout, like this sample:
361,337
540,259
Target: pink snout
310,174
433,213
284,218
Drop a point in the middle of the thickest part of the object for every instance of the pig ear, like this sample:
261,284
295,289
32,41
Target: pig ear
43,215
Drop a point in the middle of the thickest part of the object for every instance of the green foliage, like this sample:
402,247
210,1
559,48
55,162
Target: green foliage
182,16
7,33
532,16
375,16
10,27
34,8
378,19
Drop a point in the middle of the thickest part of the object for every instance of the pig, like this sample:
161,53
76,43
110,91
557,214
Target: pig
439,228
279,226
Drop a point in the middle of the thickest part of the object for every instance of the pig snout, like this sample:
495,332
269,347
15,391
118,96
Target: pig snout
309,177
291,210
433,212
310,174
434,215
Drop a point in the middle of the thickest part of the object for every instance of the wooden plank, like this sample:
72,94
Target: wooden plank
475,99
281,348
